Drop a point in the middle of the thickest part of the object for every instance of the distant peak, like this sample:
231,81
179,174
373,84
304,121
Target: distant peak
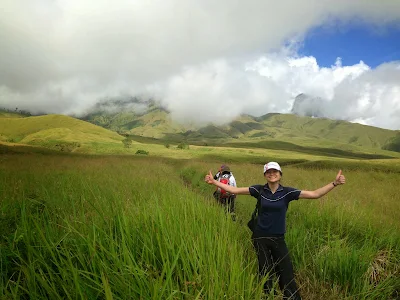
308,105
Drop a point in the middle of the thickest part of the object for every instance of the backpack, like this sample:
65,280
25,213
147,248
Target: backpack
221,193
252,224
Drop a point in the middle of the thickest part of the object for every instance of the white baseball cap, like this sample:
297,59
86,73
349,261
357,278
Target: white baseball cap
272,165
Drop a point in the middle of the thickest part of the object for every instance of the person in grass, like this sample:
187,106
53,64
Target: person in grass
270,223
224,198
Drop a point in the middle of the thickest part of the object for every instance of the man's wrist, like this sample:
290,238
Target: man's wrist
334,184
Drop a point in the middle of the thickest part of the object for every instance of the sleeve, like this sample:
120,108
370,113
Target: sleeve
232,181
254,190
292,194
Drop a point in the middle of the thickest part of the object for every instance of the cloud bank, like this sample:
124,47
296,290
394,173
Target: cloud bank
270,84
204,60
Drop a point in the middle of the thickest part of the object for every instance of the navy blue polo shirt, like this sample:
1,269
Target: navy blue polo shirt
272,217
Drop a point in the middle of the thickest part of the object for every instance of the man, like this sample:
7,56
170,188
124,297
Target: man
223,197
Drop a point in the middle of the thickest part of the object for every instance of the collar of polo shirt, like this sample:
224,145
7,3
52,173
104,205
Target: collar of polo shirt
266,187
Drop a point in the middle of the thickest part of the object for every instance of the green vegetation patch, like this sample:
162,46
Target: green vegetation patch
350,165
331,152
393,144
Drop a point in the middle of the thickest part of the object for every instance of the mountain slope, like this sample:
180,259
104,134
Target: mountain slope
54,131
307,131
7,114
155,122
337,131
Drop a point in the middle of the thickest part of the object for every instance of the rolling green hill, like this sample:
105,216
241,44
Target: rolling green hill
272,131
338,131
54,131
155,123
274,127
7,114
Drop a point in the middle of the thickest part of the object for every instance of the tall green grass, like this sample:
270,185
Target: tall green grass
117,228
344,245
124,227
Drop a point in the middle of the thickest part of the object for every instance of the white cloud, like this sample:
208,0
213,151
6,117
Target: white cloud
65,55
220,91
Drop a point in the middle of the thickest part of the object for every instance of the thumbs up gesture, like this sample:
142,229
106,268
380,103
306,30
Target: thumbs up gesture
340,179
209,178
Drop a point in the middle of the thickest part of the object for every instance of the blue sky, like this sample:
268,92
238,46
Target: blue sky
353,42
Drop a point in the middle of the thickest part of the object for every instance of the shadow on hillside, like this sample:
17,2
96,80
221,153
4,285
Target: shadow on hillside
330,152
21,149
258,160
275,145
348,166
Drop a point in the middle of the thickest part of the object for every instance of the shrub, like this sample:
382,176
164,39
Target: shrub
67,147
127,142
144,152
182,146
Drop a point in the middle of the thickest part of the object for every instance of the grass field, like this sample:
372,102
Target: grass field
145,227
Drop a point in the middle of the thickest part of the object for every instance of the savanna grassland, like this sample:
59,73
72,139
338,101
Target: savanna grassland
146,227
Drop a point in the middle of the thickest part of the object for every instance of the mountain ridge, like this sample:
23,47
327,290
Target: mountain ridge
157,123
